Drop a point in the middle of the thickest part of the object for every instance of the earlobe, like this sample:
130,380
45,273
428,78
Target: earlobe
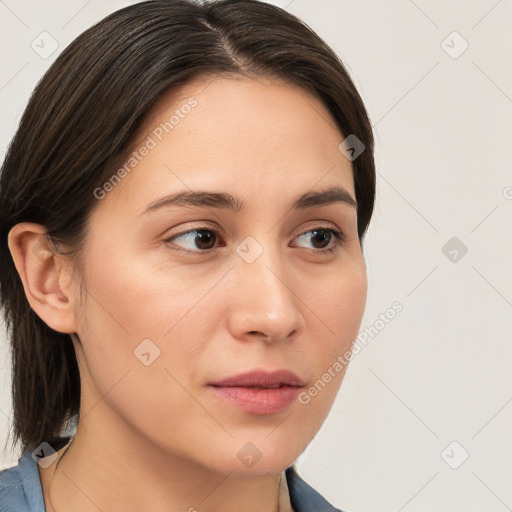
46,281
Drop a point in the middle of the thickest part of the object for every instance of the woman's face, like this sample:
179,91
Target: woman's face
181,292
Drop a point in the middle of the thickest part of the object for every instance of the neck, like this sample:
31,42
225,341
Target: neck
102,472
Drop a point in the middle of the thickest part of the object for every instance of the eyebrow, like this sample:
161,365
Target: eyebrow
225,201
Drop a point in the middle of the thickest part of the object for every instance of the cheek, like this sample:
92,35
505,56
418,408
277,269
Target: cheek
340,306
352,304
336,309
129,303
134,297
130,300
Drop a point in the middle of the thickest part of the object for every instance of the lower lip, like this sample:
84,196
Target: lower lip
258,400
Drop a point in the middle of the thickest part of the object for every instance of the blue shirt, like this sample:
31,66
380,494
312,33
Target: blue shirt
20,490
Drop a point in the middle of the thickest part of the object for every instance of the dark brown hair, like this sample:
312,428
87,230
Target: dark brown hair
83,114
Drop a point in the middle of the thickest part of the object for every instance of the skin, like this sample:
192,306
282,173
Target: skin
155,437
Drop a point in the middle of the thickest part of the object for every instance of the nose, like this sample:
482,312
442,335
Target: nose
264,304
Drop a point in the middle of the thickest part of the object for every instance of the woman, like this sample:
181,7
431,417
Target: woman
182,214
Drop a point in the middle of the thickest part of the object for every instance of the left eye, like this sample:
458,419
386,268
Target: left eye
204,239
324,236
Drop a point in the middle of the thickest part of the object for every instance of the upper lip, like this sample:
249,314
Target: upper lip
261,379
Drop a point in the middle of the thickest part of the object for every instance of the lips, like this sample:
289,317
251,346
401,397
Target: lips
259,392
261,379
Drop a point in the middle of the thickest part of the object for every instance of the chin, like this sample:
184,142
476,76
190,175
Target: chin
262,468
255,456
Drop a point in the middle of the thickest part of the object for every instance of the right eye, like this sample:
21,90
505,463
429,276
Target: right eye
196,240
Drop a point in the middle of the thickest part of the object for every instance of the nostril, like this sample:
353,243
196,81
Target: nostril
265,335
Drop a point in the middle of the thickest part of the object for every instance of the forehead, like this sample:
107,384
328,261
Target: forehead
237,133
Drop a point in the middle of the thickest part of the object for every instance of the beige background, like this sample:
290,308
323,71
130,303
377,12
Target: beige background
439,372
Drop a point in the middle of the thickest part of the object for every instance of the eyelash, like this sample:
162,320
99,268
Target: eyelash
339,239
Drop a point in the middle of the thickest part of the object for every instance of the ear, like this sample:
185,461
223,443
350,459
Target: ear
46,277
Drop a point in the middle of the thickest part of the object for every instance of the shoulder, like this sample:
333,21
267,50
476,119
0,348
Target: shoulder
11,490
303,497
20,487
